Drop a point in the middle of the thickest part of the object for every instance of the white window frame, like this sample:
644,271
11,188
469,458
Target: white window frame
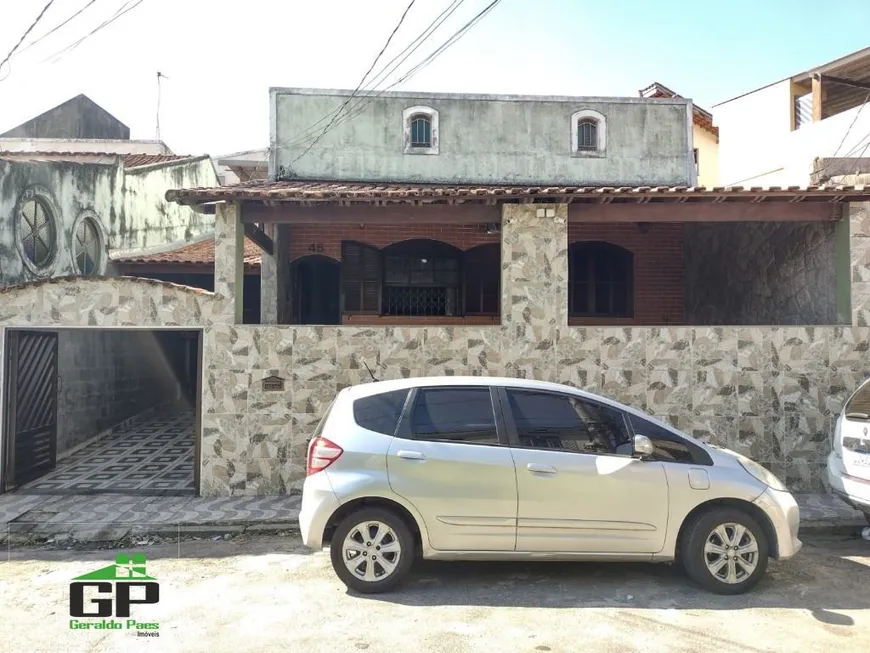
430,113
601,131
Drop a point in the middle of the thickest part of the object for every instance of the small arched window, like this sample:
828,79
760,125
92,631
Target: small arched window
587,135
600,277
88,247
421,131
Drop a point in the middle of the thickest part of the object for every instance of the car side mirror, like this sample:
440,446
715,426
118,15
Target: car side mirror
643,446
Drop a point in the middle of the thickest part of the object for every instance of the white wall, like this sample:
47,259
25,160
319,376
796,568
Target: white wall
757,146
114,146
152,221
708,156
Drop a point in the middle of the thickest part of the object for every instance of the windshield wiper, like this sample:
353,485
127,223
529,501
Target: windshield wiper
861,416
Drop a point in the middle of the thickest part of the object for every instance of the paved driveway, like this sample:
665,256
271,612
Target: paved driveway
269,594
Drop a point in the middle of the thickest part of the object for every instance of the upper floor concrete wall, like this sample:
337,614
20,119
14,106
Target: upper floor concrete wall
481,139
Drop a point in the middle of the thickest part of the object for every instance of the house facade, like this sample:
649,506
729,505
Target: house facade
562,239
803,129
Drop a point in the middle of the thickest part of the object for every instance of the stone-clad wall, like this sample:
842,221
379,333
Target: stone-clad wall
768,392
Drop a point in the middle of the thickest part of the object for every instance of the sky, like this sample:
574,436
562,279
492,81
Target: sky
220,57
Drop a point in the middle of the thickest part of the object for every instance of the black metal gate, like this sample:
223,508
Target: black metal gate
31,406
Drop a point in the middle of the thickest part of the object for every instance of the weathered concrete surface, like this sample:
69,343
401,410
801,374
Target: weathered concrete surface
270,594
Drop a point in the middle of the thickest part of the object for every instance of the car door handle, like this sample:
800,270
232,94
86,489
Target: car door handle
541,469
411,455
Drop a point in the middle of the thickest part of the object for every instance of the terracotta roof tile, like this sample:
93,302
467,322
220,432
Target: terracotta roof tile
130,160
335,191
138,160
198,253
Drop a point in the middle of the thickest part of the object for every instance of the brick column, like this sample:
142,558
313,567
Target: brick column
858,218
534,261
229,266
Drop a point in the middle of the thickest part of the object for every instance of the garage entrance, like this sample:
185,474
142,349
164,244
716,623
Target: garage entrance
101,411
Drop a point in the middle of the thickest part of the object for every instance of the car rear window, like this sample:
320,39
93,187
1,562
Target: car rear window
381,412
859,403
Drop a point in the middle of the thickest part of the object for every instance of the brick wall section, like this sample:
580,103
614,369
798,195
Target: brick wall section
302,237
658,269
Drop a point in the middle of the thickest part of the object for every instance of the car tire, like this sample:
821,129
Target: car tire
708,556
356,555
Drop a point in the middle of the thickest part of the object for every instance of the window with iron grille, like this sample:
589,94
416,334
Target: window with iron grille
587,135
421,278
483,280
421,131
37,232
599,280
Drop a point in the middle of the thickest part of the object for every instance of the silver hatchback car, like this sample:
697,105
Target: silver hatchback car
481,468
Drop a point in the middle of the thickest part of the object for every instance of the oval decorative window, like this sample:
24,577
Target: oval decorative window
37,232
88,247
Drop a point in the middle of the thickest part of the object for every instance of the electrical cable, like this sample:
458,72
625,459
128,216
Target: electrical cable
368,99
361,82
26,32
124,9
306,134
52,31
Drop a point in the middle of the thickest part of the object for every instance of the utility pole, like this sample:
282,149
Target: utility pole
159,76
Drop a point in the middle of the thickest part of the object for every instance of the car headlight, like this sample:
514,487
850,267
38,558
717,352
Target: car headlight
762,474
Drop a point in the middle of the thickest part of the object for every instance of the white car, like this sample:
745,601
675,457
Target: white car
849,461
482,468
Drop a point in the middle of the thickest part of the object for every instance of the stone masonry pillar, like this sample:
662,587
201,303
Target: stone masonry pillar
534,262
269,279
858,223
229,265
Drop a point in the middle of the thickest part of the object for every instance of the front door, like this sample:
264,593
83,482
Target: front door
579,490
31,406
449,462
317,290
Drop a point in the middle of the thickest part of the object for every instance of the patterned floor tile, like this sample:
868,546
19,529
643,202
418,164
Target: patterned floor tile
144,459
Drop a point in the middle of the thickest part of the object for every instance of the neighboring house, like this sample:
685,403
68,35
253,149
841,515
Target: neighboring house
74,189
77,118
799,130
705,136
250,165
557,238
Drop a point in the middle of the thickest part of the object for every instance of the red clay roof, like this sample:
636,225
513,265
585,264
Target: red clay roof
137,160
130,160
198,253
339,191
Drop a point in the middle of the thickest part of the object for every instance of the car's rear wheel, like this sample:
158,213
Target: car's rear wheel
725,551
867,517
372,550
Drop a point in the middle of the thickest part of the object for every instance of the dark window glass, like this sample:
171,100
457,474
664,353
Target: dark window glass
381,412
421,131
587,135
668,446
599,280
860,403
421,278
455,415
552,421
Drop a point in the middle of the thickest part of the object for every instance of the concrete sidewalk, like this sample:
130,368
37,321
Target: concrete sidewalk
109,518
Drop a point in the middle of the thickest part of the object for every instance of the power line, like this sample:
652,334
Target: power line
361,82
124,9
52,31
309,131
364,102
24,36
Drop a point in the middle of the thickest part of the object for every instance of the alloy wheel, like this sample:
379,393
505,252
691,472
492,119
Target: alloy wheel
371,551
731,553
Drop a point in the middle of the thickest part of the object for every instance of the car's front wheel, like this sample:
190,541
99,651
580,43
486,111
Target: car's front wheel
372,550
725,551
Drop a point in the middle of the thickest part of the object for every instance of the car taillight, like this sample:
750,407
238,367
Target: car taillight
321,454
